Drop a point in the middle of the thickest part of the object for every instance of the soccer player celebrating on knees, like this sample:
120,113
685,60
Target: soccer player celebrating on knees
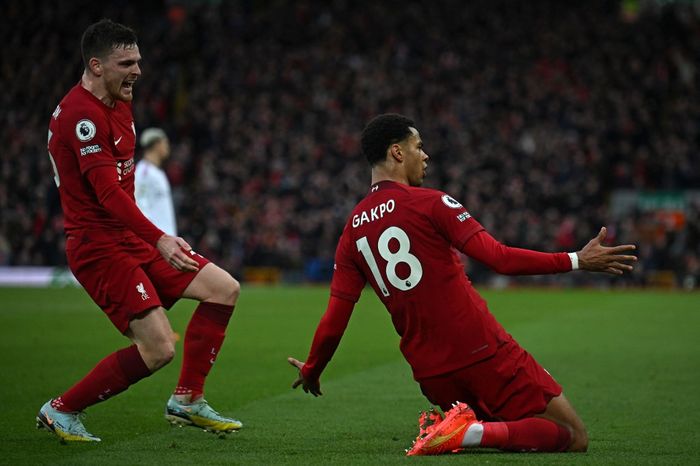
129,267
403,240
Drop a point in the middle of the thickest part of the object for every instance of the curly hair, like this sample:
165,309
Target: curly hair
381,132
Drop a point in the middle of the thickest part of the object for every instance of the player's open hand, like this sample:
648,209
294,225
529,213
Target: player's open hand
598,258
309,386
175,251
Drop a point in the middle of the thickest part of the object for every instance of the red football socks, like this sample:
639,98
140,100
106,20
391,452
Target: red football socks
203,339
109,377
531,434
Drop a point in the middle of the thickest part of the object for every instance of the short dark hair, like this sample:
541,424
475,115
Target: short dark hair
100,38
381,132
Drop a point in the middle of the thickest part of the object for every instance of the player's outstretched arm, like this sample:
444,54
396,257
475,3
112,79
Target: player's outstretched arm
312,386
514,261
176,252
595,257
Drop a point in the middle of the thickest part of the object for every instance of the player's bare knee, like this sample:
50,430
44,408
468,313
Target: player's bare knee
579,440
165,354
235,290
157,354
227,290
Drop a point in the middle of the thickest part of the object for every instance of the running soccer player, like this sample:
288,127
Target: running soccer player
129,267
403,240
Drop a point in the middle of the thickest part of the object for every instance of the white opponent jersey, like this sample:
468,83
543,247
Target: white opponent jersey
152,192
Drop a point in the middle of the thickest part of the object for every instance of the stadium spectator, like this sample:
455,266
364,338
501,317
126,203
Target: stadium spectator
556,105
129,267
151,185
402,239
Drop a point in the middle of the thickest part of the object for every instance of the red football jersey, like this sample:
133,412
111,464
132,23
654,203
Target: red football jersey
403,240
85,133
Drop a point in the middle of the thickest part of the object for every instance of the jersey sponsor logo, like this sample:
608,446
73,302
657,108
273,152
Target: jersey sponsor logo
117,141
125,167
90,149
463,216
85,130
142,289
375,213
56,112
450,202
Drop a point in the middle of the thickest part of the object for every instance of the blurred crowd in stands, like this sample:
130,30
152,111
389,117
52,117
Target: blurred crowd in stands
533,114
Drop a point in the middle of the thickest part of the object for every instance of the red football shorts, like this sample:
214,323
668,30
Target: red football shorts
124,275
507,386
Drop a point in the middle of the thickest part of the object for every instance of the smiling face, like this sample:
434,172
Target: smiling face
119,71
415,159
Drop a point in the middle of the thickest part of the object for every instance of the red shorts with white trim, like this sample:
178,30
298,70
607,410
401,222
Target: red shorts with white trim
507,386
124,275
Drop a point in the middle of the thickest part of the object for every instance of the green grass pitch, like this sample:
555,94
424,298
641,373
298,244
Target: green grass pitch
628,360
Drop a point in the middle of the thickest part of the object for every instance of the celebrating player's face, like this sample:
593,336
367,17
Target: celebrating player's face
415,159
121,70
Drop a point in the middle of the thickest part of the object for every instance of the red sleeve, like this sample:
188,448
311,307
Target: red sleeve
115,201
328,334
452,219
348,280
88,135
514,261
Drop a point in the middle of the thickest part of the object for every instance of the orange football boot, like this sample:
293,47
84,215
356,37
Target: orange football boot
428,420
445,436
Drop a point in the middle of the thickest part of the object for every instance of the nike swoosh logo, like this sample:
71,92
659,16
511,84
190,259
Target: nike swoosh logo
440,439
117,141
